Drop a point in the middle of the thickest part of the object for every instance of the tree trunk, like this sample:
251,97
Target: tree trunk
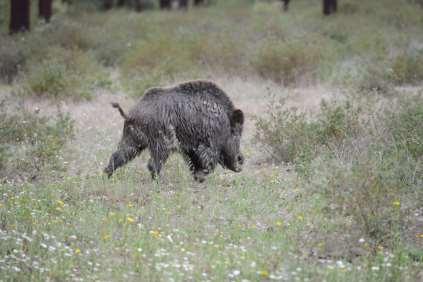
19,15
285,5
198,2
165,4
334,6
44,9
139,7
107,4
121,3
329,6
183,4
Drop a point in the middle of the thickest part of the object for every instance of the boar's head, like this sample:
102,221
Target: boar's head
230,156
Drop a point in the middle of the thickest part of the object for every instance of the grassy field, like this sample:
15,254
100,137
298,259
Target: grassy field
332,185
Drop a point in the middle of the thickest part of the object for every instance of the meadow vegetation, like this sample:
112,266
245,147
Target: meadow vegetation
339,198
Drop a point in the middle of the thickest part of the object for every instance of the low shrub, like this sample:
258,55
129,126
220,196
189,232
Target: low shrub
374,193
151,62
286,62
407,68
290,135
64,73
166,57
364,163
374,78
405,125
12,59
31,144
68,34
349,8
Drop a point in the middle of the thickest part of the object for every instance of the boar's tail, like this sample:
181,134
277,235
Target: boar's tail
122,113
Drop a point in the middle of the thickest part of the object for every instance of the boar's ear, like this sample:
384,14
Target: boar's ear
237,118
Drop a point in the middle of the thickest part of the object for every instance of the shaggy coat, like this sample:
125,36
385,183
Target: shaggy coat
195,118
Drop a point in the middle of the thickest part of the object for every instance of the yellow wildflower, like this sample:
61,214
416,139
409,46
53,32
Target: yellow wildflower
279,223
263,273
300,217
155,233
130,219
77,251
130,205
106,237
396,203
60,203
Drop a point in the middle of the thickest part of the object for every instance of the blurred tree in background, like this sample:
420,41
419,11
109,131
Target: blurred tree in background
19,16
20,10
329,6
45,9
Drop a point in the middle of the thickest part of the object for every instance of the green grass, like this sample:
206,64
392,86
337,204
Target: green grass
235,227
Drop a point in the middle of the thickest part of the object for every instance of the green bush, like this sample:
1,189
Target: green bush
286,62
12,59
364,164
31,144
374,193
68,34
374,78
349,8
405,125
408,68
168,57
291,136
64,74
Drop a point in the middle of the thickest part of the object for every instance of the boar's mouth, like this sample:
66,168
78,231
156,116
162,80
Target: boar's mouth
108,171
234,165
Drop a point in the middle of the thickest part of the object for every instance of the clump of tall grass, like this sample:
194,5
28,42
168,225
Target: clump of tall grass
167,57
364,163
64,74
12,59
286,62
407,68
31,144
290,135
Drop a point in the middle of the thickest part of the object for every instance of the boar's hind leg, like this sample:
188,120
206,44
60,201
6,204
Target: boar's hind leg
159,154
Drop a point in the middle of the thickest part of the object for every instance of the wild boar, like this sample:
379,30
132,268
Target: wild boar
196,119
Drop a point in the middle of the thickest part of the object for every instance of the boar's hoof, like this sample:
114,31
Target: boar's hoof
200,176
152,169
108,171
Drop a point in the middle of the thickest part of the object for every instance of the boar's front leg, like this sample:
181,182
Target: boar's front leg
159,153
202,161
195,165
121,157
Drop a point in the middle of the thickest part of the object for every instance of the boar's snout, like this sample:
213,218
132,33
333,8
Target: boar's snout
108,171
239,162
116,161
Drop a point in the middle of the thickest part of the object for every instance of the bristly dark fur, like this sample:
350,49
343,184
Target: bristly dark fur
196,118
